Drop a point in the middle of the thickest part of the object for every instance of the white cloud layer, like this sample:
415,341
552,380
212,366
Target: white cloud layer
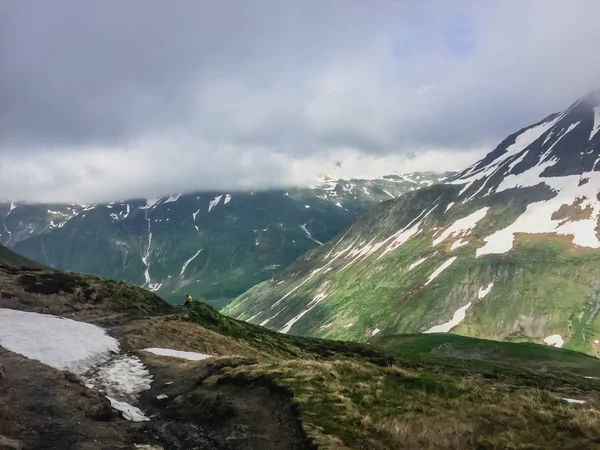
132,99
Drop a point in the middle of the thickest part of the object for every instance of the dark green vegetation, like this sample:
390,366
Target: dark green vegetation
420,391
240,243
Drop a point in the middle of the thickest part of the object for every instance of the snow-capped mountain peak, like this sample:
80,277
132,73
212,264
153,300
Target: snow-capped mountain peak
562,144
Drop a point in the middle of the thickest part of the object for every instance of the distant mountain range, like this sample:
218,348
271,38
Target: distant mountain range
509,249
212,245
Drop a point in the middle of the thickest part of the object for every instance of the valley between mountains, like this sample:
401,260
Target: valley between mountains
211,245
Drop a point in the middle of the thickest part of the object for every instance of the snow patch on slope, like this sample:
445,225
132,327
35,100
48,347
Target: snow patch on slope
312,274
484,291
554,340
391,195
11,209
185,264
457,244
537,218
190,356
314,302
227,199
121,215
400,237
440,269
214,202
309,235
151,202
462,226
458,317
146,256
596,126
172,198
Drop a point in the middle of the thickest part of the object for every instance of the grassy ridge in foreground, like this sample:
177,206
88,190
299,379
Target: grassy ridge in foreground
422,391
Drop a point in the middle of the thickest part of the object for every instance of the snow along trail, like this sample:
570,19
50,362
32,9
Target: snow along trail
417,263
81,348
572,400
303,228
190,356
185,264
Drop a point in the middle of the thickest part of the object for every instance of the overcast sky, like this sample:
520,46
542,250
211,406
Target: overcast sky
109,100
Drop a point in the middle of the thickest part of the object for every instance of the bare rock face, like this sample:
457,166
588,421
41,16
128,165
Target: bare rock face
2,372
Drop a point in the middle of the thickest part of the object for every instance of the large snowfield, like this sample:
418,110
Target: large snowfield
64,344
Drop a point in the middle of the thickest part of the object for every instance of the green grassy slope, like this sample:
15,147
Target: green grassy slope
421,391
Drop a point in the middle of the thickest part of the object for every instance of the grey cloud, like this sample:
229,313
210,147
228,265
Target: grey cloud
268,78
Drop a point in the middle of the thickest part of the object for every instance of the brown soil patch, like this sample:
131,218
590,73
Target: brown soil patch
567,213
177,333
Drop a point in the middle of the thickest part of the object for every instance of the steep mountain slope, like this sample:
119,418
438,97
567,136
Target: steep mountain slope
210,245
509,250
10,258
155,378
